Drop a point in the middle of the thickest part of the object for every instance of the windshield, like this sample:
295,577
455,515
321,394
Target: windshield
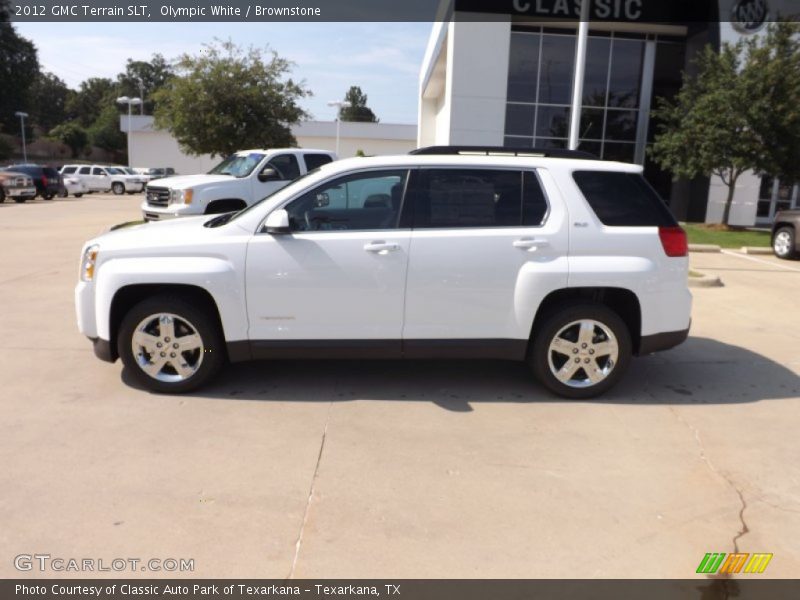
238,166
286,189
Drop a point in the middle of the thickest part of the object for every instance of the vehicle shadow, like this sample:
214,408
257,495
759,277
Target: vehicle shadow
701,371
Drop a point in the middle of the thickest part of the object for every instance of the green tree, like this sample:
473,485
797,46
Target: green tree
91,99
142,78
18,69
73,135
358,109
105,132
227,99
740,112
48,101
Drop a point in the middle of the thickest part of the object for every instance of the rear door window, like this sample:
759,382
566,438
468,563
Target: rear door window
461,198
623,199
316,160
84,171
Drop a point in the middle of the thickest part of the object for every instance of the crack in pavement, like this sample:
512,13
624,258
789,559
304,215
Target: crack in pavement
298,544
726,478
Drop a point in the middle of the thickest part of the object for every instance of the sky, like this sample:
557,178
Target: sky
384,59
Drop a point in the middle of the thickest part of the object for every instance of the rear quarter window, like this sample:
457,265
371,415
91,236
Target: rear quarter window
623,199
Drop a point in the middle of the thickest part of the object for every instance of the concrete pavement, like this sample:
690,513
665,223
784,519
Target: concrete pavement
392,469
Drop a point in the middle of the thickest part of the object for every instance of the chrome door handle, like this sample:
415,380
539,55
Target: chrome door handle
529,244
381,247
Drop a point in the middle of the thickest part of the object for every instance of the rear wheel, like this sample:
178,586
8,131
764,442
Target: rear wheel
169,345
48,196
78,195
580,351
20,200
118,188
783,243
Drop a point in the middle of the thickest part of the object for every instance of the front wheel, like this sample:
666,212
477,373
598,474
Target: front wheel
118,188
78,195
783,243
20,200
169,345
580,351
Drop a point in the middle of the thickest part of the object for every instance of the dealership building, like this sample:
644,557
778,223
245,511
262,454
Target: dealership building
501,73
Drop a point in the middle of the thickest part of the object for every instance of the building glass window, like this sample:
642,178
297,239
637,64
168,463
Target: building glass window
540,88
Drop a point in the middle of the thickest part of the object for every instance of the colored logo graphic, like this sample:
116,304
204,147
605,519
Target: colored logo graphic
738,562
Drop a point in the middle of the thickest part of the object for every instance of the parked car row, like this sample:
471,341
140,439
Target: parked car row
25,182
99,178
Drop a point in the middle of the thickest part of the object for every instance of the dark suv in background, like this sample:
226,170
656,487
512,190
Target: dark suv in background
46,179
785,238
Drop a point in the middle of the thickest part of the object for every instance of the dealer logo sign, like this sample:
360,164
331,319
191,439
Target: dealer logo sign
748,16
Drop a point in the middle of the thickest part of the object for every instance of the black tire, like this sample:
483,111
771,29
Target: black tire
213,353
48,196
2,194
78,195
784,243
20,200
539,357
118,188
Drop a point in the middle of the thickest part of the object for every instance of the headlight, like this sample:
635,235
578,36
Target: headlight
88,262
181,196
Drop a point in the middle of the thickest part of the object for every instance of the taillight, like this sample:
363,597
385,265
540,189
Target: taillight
44,180
674,241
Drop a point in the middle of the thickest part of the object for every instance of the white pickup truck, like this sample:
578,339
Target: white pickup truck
238,181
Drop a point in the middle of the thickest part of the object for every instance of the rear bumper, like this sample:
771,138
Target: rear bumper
662,341
103,350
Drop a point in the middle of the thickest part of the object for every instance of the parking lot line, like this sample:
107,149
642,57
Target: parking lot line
761,260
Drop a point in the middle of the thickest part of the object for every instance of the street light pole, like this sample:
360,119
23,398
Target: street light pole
130,102
340,104
22,116
141,95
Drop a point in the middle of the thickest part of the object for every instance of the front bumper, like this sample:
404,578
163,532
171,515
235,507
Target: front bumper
20,192
162,213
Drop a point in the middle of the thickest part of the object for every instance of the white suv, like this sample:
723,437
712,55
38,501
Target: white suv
98,178
571,264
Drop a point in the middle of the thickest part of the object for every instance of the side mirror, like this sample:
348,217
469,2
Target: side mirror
322,200
268,174
277,222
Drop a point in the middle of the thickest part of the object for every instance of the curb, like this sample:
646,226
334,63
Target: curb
704,248
756,250
706,281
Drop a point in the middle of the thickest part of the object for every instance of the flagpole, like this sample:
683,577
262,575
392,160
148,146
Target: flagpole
577,82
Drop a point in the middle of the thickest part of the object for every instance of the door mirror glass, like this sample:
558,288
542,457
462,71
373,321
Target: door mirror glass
277,222
322,200
268,174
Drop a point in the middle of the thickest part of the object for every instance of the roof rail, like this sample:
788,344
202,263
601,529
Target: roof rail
504,151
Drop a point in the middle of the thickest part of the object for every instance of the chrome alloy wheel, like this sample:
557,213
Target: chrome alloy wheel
167,347
782,244
583,353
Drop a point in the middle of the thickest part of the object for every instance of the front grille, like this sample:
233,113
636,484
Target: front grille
157,196
22,182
